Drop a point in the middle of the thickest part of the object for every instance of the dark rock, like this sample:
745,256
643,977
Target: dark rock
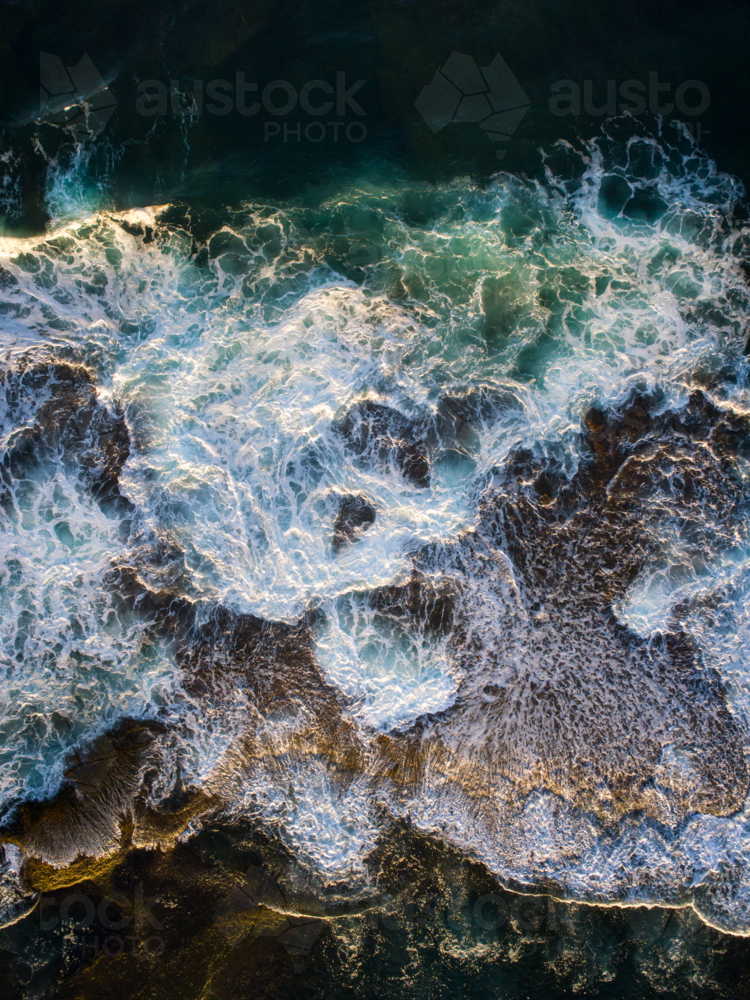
354,516
61,419
459,416
168,612
159,559
133,229
586,700
556,692
422,602
480,405
104,778
7,279
386,436
271,661
220,650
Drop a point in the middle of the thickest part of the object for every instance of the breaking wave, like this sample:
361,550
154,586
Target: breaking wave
422,502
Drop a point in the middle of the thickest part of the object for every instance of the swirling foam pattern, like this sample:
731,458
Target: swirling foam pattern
291,356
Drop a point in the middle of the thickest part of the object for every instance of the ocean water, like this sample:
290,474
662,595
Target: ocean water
519,680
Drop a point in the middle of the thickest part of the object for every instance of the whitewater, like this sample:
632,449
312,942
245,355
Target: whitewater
464,327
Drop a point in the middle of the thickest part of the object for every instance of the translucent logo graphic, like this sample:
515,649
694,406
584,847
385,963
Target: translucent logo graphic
257,908
75,97
489,96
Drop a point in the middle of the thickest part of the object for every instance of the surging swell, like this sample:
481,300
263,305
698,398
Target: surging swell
425,503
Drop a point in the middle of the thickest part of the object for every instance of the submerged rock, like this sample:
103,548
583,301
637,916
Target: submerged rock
387,437
57,416
460,415
355,515
422,601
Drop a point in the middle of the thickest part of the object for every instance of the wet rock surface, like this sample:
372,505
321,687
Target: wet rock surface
103,780
422,602
460,416
570,698
355,515
58,416
232,913
388,437
273,660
